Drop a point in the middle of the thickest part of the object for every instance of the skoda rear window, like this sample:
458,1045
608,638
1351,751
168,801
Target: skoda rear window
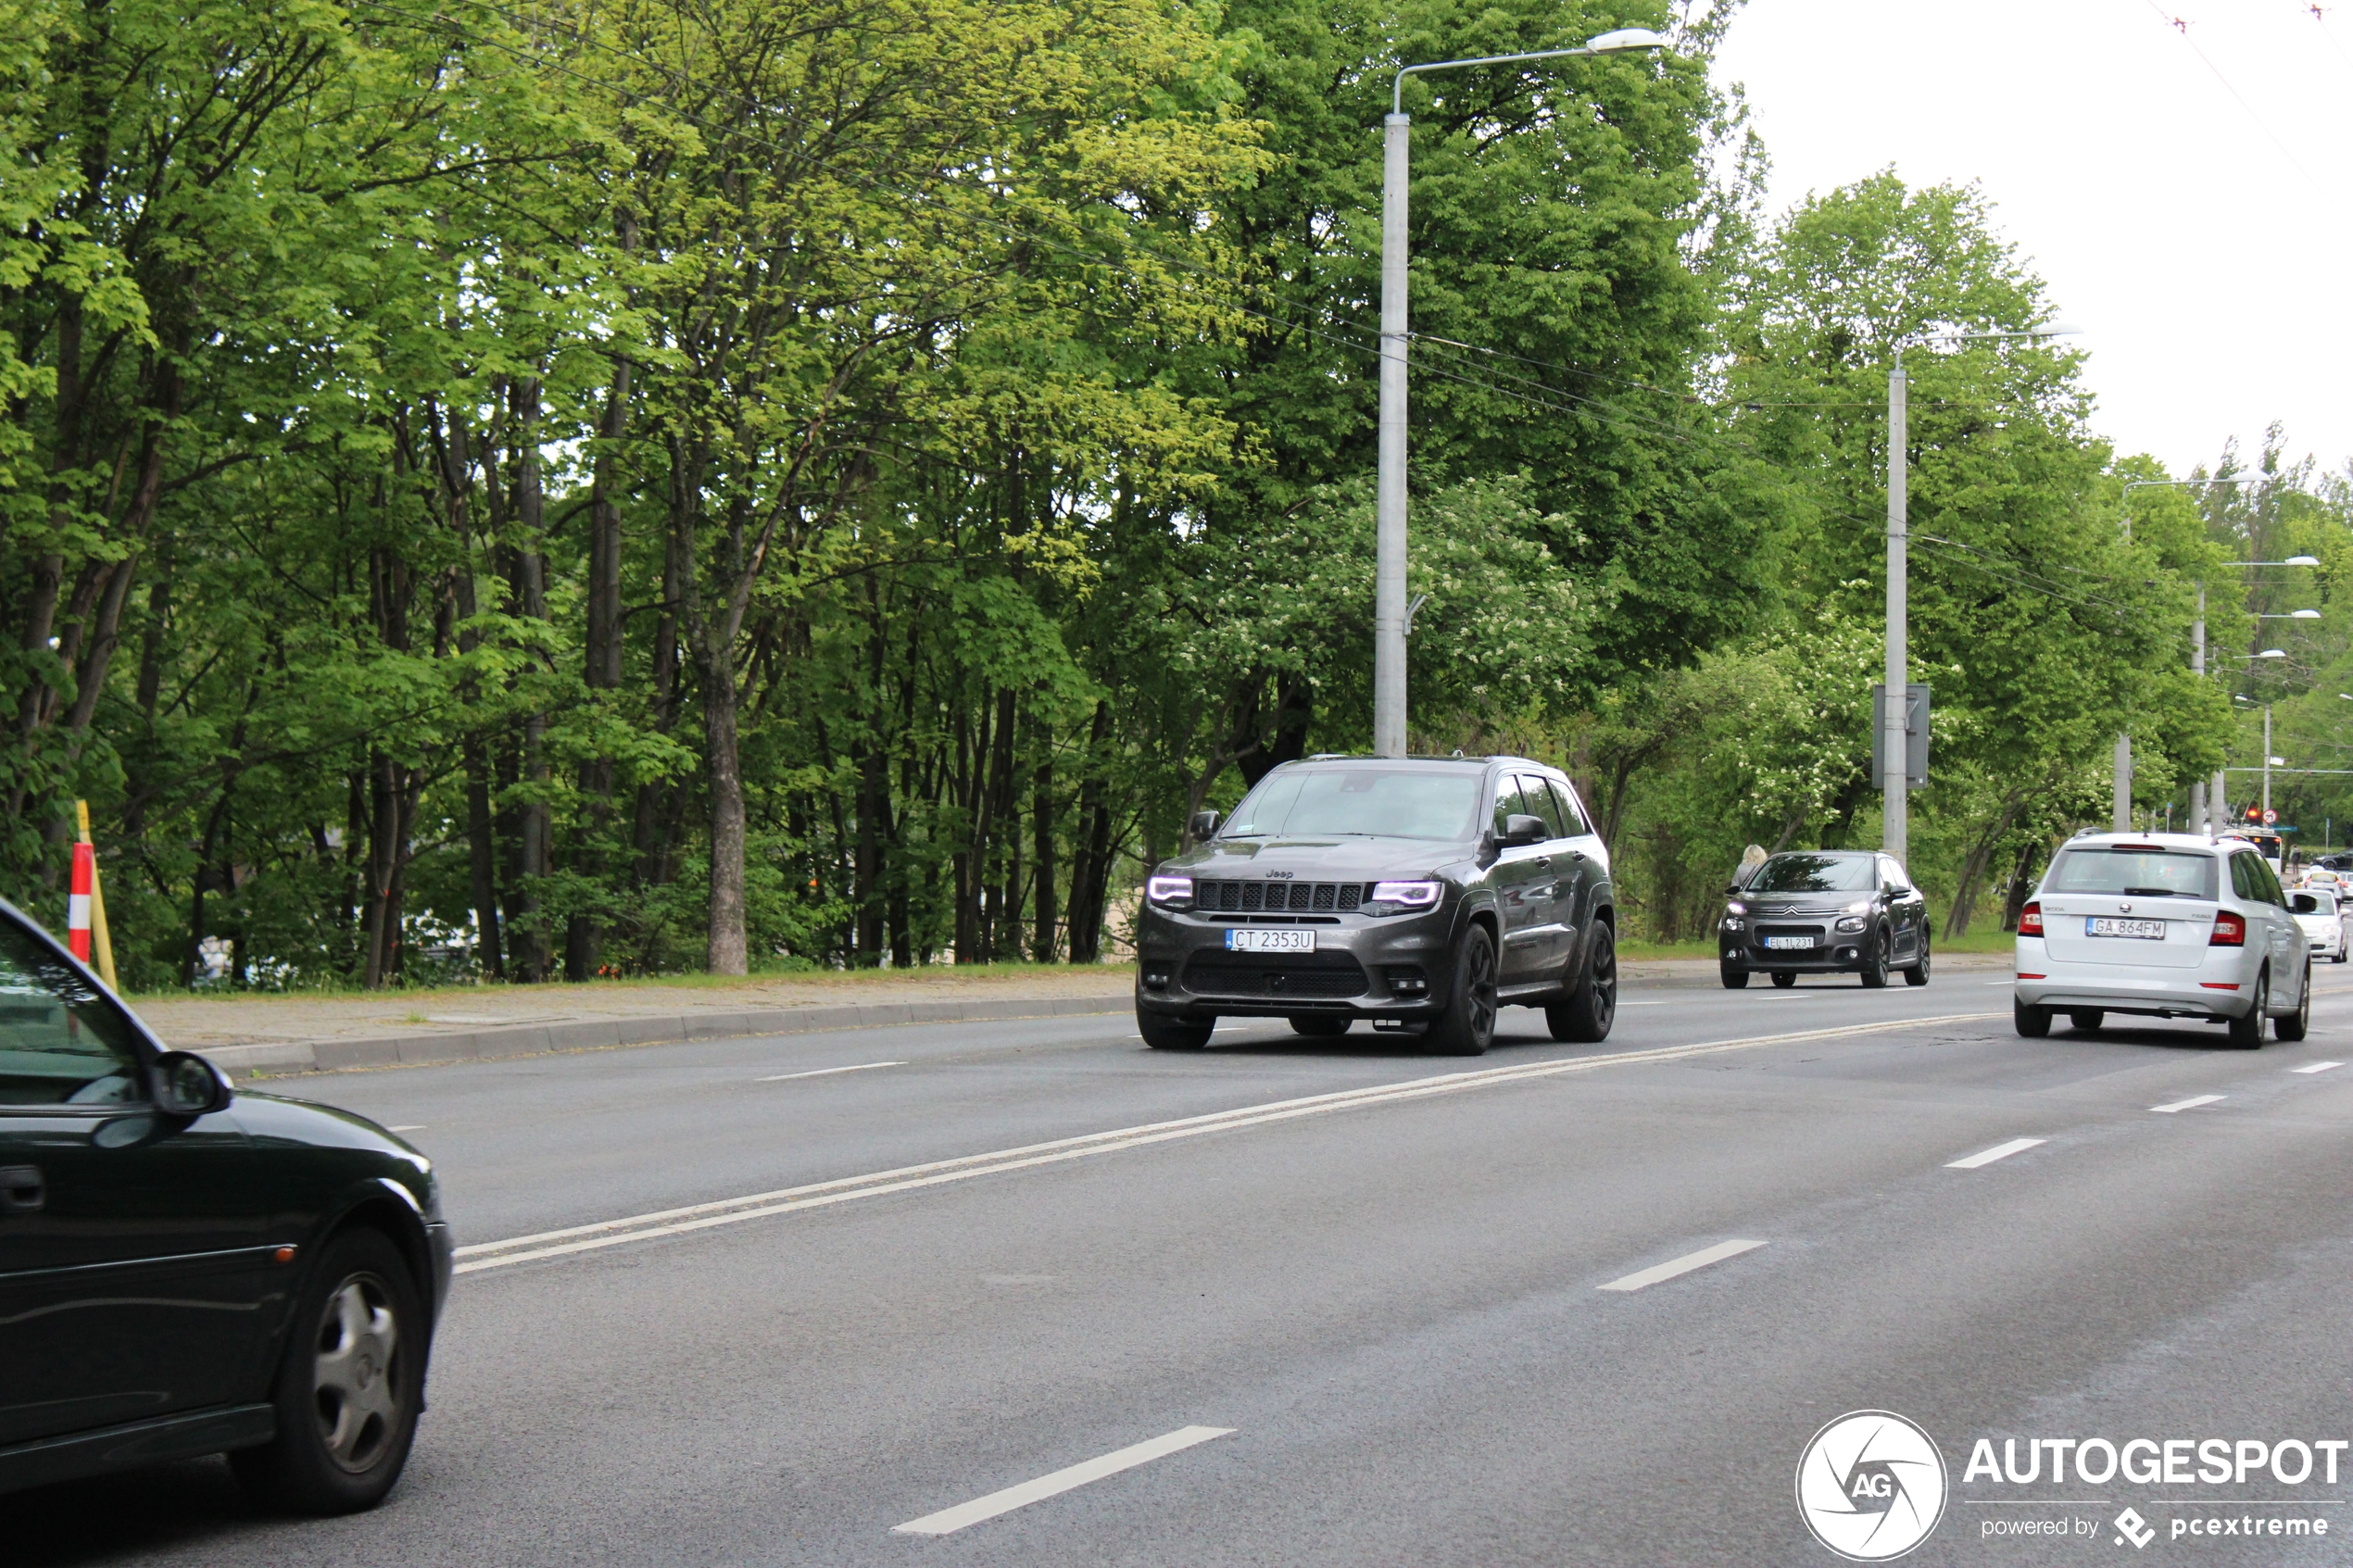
1359,803
2133,872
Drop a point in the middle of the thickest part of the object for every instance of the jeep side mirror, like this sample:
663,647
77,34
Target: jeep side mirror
1203,825
185,1084
1519,829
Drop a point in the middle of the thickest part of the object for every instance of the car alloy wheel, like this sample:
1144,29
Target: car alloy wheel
2246,1033
1875,959
1917,974
1469,1023
1591,1008
2295,1025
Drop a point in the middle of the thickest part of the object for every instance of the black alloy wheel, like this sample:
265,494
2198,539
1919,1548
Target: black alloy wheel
1592,1007
2085,1018
1468,1025
1784,978
2033,1022
2295,1025
1165,1033
1735,977
1320,1025
2246,1033
350,1384
1917,974
1875,959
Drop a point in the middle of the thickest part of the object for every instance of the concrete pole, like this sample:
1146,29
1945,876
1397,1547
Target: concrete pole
2198,821
2267,763
1894,825
2123,811
1389,573
2221,805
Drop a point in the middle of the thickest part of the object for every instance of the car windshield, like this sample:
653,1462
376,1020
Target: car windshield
1815,874
2132,871
1360,802
61,1043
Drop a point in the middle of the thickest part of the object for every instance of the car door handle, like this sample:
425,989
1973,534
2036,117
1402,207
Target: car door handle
1542,862
21,1190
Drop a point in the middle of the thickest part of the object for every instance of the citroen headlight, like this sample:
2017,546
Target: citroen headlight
1850,922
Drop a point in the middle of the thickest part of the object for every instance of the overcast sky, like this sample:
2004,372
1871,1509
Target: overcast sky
2200,240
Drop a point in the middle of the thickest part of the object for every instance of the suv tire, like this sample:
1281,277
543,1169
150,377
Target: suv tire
2298,1024
2033,1022
2246,1033
1165,1033
351,1381
1468,1025
1591,1008
1320,1025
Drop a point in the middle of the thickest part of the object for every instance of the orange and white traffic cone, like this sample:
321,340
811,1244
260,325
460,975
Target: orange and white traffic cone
85,905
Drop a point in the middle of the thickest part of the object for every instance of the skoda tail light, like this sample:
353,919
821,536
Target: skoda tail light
2229,931
2029,919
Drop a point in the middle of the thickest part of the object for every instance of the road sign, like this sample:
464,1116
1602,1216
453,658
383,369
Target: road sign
2270,818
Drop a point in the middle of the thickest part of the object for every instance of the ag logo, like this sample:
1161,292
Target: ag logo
1870,1485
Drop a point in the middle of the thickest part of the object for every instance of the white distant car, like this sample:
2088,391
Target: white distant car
2323,916
2164,925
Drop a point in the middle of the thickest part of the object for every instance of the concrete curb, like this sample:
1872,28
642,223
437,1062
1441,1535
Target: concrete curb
608,1033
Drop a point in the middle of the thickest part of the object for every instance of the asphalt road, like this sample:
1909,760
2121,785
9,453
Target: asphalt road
888,1300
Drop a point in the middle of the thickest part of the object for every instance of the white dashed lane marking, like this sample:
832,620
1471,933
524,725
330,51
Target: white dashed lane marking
822,1072
1987,1156
2317,1067
1643,1278
948,1520
2189,1104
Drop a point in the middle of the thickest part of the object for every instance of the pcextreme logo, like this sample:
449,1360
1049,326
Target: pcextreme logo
1871,1485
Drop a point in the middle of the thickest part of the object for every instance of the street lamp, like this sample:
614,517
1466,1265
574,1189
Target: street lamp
1893,827
1389,571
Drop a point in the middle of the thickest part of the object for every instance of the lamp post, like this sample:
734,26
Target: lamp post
1389,571
1894,824
2215,821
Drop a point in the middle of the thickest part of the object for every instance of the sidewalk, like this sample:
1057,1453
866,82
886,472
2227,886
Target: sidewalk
275,1035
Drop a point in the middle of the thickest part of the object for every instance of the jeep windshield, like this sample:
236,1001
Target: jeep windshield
1368,802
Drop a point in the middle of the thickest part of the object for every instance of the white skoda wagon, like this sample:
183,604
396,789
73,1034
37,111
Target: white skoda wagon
2163,925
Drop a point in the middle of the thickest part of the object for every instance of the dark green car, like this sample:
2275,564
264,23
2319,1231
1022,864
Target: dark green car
187,1271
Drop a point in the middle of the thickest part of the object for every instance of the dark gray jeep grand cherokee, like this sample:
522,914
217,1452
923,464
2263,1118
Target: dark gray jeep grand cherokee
1418,892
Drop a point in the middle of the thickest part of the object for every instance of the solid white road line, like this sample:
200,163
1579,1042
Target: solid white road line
1987,1156
1642,1278
418,1128
2317,1067
906,1178
2189,1104
953,1519
822,1072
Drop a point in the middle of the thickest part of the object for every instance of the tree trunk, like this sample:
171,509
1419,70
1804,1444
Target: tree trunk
1042,941
728,951
583,935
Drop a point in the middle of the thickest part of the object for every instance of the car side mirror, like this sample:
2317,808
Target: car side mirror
1732,889
1519,829
184,1083
1202,826
2307,905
